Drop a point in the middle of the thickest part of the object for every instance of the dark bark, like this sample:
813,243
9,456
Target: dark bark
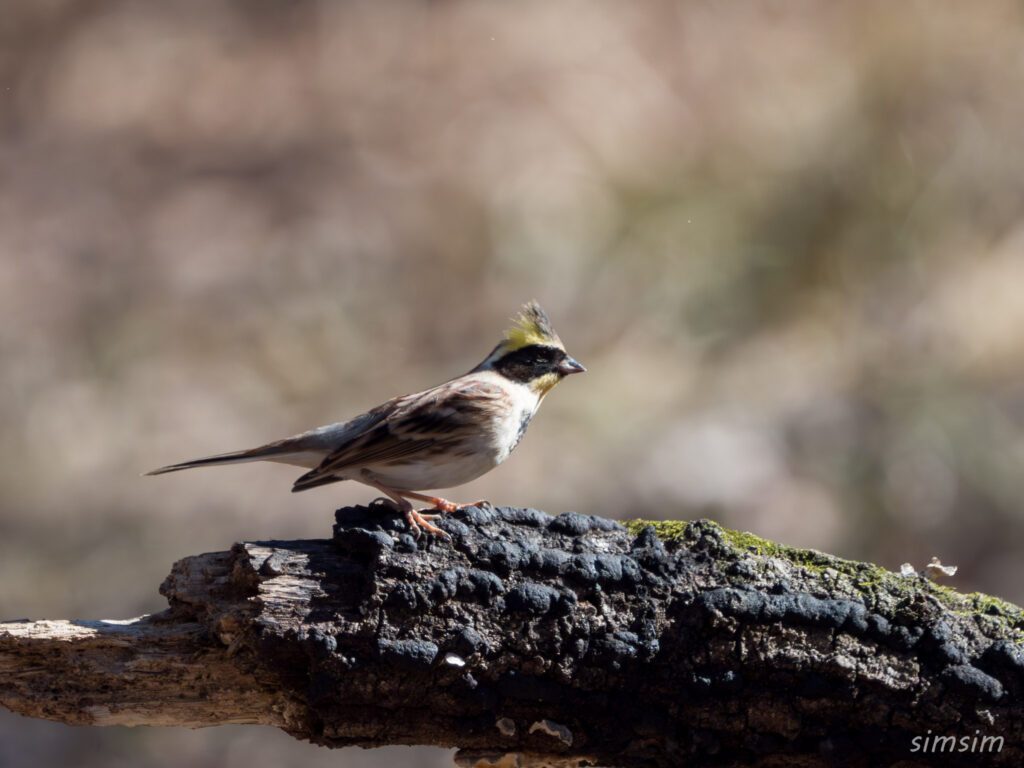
561,639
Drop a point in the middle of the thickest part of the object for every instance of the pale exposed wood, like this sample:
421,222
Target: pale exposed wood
137,672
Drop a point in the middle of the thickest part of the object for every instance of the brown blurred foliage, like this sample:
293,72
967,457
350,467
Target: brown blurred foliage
785,238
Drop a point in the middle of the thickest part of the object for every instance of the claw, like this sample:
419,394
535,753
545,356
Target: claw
419,522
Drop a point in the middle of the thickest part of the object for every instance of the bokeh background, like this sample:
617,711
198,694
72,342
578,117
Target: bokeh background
786,239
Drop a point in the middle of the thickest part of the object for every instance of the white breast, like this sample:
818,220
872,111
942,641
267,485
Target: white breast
480,453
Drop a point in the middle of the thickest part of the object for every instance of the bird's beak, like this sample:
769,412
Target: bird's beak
568,366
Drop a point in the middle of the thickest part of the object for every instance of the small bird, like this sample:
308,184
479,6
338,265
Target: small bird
438,438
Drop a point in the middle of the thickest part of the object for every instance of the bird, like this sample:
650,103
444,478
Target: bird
439,438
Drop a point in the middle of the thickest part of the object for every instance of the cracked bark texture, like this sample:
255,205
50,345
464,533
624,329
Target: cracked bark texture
527,638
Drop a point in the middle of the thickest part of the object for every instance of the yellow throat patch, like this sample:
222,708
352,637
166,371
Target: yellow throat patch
544,384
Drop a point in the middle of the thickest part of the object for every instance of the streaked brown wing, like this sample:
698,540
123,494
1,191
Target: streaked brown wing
450,409
415,424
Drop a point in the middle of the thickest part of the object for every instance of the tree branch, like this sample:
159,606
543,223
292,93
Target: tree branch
560,640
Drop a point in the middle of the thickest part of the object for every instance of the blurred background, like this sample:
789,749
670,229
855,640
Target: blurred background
786,240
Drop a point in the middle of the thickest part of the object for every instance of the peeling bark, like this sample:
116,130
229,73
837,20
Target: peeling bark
562,640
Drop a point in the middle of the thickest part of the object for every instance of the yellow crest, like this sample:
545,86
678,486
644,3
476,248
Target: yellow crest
531,327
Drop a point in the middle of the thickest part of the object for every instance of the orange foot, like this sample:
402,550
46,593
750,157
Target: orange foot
450,506
417,521
442,505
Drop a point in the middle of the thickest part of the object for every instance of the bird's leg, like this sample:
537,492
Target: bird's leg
416,520
438,503
434,501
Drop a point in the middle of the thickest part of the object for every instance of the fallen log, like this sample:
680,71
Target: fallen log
531,639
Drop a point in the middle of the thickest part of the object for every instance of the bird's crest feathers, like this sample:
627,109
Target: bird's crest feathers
531,326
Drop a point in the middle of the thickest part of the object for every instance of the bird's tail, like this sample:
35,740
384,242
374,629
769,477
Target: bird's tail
222,458
283,451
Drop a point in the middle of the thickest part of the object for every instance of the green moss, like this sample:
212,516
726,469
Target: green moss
667,530
882,590
743,543
994,606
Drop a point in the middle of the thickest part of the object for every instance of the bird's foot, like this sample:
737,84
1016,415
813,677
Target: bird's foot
418,521
450,506
421,522
442,506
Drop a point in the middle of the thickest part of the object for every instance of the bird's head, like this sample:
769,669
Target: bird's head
531,352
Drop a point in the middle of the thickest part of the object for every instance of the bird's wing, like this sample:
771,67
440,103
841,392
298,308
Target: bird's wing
409,425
